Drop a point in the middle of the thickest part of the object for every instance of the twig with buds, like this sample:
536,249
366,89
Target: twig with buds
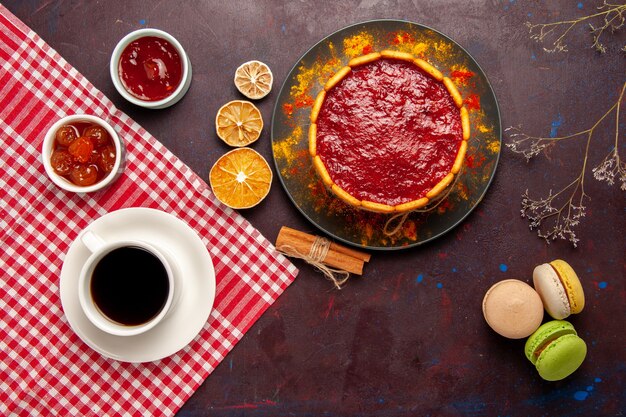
613,18
556,215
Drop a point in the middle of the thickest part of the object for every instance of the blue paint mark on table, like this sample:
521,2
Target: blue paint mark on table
556,123
581,395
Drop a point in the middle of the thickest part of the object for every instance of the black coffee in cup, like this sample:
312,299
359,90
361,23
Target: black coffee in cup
130,285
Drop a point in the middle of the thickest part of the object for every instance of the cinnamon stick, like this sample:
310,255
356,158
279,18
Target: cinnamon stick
338,256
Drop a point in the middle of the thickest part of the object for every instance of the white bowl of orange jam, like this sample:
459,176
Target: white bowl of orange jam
82,153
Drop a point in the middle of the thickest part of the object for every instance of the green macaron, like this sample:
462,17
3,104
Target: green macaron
556,350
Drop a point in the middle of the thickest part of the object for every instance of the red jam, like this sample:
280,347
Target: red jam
150,68
388,132
83,153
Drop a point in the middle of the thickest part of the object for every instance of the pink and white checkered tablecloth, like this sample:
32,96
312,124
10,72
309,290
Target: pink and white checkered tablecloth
45,369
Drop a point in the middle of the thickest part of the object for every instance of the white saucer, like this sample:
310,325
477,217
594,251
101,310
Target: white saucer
195,299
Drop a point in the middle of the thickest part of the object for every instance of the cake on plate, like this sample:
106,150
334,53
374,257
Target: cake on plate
388,132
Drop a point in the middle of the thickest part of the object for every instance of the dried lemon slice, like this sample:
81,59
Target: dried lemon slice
241,178
238,123
254,79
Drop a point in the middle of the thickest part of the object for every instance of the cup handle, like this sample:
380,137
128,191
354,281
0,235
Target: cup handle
92,241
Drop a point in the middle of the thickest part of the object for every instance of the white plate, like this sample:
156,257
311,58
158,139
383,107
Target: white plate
194,301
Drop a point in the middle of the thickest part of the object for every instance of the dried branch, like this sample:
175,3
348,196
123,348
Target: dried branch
612,166
565,216
613,17
531,146
556,215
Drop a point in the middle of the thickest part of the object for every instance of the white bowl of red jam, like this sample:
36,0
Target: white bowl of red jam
150,68
82,153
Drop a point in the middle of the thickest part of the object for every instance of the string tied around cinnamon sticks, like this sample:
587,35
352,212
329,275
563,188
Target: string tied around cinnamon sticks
336,262
317,253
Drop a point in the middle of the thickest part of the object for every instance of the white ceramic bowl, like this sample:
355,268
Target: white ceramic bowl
48,145
186,74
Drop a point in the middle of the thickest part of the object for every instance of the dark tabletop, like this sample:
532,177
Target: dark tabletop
407,338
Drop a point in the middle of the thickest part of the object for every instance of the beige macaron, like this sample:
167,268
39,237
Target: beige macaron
513,309
559,289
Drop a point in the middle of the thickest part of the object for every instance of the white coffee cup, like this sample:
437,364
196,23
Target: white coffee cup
99,250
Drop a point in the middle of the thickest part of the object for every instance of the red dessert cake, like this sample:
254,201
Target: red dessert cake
388,132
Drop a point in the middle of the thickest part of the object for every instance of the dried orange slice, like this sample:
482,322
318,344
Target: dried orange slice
238,123
254,79
241,178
